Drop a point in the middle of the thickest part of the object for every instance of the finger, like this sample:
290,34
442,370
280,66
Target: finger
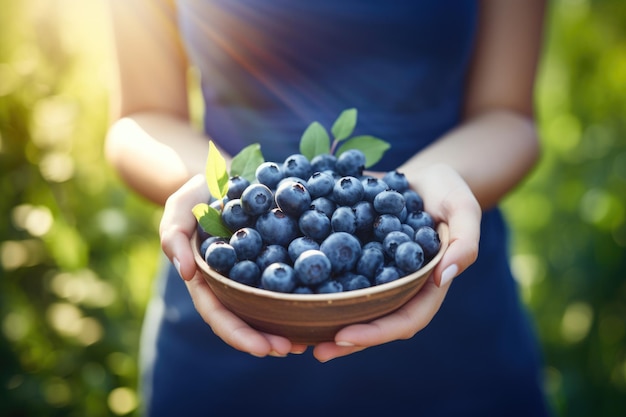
230,328
463,216
281,346
326,351
178,225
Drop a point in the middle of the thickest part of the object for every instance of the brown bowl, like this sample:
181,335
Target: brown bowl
314,318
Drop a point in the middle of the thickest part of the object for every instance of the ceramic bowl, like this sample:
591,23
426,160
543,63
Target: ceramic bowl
314,318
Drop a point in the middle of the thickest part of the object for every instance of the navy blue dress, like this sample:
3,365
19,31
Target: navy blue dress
269,68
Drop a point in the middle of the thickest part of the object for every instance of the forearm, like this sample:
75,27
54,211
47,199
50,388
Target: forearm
493,152
155,153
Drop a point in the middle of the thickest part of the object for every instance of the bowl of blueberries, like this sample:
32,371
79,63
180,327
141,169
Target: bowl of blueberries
316,245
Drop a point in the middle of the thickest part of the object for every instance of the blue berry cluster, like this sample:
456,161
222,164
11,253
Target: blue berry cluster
320,226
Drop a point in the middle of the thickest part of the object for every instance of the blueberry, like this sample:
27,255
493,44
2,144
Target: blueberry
374,244
428,239
297,165
220,256
315,225
278,277
350,163
299,245
347,191
247,243
236,185
257,199
372,187
325,205
234,216
392,241
396,181
343,250
329,287
277,228
291,179
269,174
383,224
312,267
389,202
419,219
387,274
403,214
320,184
410,232
365,214
323,162
413,201
292,198
370,261
270,254
246,272
206,242
343,220
302,289
356,282
409,256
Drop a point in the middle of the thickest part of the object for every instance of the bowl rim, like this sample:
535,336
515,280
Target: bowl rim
442,229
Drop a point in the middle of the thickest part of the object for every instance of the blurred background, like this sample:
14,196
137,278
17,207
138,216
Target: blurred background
78,252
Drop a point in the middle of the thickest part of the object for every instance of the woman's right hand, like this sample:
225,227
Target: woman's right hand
177,227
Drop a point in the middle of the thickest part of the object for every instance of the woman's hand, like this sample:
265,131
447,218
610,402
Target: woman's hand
448,198
176,229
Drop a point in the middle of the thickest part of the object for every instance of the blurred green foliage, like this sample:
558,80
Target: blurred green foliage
78,252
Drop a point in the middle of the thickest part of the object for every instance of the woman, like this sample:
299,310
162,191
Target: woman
448,84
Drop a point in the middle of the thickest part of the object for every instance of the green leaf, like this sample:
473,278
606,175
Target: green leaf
315,141
344,125
246,162
210,220
216,173
372,147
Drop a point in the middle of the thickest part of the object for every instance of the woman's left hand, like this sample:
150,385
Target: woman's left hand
447,198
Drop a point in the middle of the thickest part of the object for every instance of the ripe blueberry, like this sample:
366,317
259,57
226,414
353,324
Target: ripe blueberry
343,250
247,243
389,202
314,224
278,277
343,220
312,267
396,181
234,216
429,240
351,163
299,245
220,256
292,198
269,174
409,256
347,191
256,199
236,185
297,165
245,272
277,228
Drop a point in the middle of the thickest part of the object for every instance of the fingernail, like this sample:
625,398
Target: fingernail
176,263
276,354
344,344
448,273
